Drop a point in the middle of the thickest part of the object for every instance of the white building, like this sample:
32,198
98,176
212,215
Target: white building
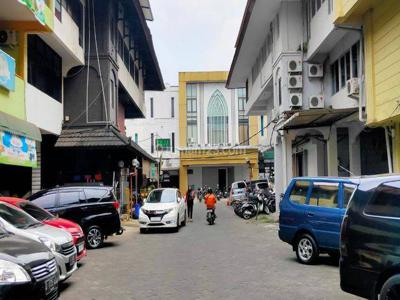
158,132
305,74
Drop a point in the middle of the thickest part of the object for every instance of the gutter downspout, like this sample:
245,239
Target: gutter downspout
388,151
361,101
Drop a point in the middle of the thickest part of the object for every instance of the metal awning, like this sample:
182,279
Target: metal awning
316,118
19,127
100,137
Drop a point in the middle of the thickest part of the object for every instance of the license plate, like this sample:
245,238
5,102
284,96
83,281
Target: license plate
80,248
50,285
155,219
72,260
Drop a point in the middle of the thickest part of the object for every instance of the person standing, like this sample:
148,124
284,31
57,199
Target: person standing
189,201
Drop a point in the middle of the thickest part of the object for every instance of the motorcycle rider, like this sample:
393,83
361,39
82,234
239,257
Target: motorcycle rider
210,200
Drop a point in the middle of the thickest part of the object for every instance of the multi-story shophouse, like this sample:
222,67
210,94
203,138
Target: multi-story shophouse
158,134
27,109
379,23
305,73
100,93
218,143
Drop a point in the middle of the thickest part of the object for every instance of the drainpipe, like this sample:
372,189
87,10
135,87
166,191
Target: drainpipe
388,150
361,80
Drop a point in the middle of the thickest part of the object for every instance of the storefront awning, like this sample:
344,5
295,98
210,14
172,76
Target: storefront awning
98,137
19,127
316,118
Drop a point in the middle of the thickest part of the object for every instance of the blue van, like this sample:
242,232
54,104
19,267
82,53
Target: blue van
311,213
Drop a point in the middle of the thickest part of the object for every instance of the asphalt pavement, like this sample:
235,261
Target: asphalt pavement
233,259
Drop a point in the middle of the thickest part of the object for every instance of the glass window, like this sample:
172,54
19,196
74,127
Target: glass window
94,195
69,198
299,192
348,66
44,67
172,107
162,196
325,194
152,142
173,142
36,212
58,9
191,113
386,201
354,59
348,193
46,201
151,108
217,119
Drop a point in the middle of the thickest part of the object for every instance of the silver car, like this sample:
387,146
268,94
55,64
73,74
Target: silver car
238,191
59,241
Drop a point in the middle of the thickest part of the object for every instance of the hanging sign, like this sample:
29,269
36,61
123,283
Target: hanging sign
7,71
37,7
17,150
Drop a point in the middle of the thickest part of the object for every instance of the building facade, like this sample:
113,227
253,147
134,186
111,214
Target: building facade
378,22
158,134
305,73
218,143
20,133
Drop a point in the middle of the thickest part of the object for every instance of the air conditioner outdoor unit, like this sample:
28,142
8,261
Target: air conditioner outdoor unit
8,37
317,101
295,66
315,70
296,100
295,82
353,87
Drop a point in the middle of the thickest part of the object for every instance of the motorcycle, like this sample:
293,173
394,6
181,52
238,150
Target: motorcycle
210,216
263,201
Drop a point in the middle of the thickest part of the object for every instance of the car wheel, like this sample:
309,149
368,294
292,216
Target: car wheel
177,225
391,288
184,220
94,237
306,249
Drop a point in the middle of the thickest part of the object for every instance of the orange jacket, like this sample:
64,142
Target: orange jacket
210,201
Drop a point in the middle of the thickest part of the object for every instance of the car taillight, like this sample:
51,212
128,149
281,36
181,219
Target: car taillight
116,205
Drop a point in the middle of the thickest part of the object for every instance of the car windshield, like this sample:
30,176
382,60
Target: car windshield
263,185
16,217
241,185
35,211
162,196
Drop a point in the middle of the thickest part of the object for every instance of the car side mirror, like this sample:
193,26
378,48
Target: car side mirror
282,195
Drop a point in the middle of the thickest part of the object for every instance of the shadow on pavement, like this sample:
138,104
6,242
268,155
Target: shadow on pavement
321,261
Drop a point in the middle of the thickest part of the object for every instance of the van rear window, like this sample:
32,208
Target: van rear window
299,192
386,201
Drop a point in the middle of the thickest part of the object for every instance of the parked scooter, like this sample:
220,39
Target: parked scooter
210,216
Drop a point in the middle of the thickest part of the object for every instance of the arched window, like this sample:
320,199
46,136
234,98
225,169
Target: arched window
217,119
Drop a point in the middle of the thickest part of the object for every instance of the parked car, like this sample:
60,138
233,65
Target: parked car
370,240
94,208
238,191
28,269
59,241
163,208
46,217
311,213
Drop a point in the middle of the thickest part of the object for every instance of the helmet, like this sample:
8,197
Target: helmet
209,191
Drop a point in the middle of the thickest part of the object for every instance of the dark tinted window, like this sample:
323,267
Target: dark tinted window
36,212
241,185
46,201
94,195
70,198
299,192
325,194
386,201
17,217
348,193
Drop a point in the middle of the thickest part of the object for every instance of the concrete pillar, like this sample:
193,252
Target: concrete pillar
183,179
332,154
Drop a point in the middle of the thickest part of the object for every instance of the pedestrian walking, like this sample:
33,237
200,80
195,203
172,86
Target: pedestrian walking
189,201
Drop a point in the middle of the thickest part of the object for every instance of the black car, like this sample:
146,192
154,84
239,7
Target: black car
28,270
94,208
370,240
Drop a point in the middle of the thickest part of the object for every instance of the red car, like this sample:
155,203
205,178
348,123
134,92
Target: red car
47,218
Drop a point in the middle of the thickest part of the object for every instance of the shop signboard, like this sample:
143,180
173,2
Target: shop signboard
17,150
7,71
163,144
37,7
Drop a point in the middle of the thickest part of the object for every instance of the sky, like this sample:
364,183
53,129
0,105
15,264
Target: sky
195,35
